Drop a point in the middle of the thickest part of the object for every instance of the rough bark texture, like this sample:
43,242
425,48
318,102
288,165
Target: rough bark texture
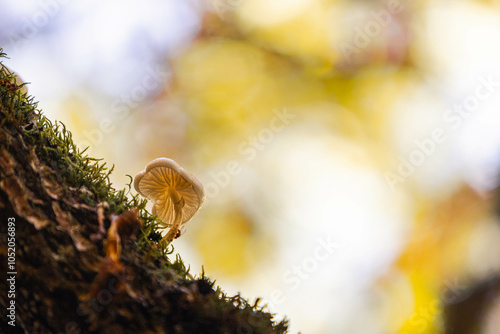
83,259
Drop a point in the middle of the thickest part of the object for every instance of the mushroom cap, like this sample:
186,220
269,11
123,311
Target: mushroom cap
159,179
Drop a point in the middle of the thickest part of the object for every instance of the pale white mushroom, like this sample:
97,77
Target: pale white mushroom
176,194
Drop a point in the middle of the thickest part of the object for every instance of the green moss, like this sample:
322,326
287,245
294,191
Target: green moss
55,147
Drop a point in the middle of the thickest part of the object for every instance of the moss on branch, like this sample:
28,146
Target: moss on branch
69,219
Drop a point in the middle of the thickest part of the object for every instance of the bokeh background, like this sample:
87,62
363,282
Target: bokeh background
349,149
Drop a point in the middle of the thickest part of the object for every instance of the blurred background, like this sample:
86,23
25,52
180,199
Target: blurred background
349,149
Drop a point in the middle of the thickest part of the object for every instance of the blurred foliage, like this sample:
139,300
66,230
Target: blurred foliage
373,91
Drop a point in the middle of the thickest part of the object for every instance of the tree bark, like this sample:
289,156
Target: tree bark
82,265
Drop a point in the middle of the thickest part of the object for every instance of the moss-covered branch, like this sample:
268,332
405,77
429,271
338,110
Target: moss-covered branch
86,255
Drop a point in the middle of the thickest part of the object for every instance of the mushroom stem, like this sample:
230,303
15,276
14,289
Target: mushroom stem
174,228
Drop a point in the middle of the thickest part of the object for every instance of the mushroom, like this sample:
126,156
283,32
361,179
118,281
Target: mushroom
176,194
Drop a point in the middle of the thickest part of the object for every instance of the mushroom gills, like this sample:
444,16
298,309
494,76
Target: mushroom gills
176,194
